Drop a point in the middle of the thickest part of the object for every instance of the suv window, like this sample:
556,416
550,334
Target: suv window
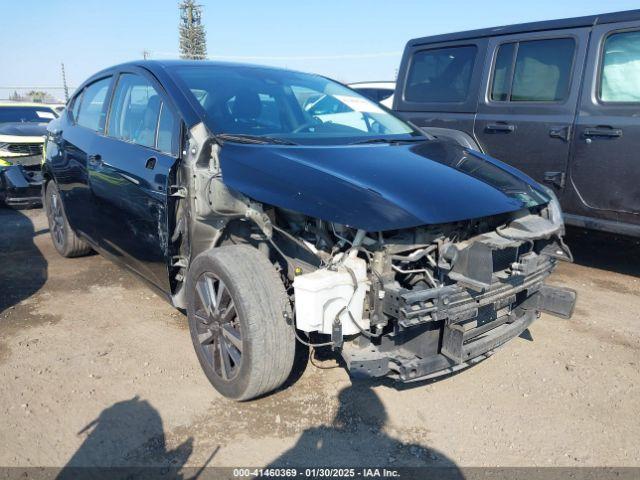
541,73
620,68
92,111
441,75
135,111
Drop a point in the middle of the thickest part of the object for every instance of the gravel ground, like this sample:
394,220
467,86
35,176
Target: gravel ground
95,369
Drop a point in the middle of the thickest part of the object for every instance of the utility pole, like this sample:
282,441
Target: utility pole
193,39
64,84
146,54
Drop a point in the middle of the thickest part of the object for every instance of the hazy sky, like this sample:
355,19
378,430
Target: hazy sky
350,40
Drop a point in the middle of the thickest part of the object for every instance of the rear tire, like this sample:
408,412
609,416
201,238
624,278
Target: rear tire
67,243
236,305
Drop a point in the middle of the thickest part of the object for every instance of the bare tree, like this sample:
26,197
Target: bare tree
193,39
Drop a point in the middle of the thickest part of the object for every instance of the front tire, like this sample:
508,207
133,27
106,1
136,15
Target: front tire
236,305
67,243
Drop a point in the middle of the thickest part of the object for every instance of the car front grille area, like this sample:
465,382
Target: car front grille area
25,148
503,258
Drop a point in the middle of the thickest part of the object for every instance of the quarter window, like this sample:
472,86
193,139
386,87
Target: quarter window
541,73
441,75
92,111
620,74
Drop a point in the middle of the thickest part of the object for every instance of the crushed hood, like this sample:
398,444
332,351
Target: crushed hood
23,129
380,186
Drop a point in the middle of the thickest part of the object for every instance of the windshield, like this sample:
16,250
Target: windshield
302,108
26,114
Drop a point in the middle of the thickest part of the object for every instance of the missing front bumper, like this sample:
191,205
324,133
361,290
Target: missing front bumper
438,348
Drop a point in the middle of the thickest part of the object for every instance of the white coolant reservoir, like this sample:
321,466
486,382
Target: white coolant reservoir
320,295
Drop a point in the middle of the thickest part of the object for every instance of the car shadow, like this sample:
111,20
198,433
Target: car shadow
358,429
606,251
127,440
23,269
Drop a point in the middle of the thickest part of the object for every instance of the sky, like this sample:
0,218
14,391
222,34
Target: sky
349,40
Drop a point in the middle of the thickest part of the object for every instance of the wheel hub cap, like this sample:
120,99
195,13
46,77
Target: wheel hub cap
218,326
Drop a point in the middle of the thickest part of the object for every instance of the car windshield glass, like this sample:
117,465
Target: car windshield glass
298,107
26,114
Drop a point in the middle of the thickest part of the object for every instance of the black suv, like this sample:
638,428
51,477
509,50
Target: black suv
557,99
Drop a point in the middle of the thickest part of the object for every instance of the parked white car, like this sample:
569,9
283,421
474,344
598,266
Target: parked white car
381,92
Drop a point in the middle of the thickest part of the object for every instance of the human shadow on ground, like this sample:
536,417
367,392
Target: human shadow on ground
127,441
358,437
23,269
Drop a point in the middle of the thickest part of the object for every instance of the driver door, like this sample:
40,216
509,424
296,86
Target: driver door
130,178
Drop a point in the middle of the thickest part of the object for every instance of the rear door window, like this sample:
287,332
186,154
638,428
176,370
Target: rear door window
440,75
620,68
93,111
541,72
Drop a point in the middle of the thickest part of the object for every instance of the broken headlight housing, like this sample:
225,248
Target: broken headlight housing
553,209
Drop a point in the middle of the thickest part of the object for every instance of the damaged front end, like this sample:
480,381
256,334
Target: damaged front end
416,299
448,302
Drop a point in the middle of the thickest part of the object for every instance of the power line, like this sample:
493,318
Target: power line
303,57
32,87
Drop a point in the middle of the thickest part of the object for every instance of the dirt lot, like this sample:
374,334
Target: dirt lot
96,369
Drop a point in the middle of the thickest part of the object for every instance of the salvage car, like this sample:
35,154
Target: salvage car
409,256
22,131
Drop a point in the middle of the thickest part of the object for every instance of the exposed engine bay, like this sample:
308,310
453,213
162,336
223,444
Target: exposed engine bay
407,303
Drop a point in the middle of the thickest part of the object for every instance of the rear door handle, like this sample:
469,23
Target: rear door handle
499,128
150,163
602,132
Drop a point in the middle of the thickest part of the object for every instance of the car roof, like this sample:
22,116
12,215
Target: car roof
575,22
155,65
26,104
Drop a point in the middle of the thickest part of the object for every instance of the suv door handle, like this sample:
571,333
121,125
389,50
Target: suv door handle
602,132
499,128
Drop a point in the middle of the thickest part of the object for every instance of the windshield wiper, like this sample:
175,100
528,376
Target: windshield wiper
389,140
255,139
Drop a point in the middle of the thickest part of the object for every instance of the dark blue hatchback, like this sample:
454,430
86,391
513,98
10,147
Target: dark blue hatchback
277,206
